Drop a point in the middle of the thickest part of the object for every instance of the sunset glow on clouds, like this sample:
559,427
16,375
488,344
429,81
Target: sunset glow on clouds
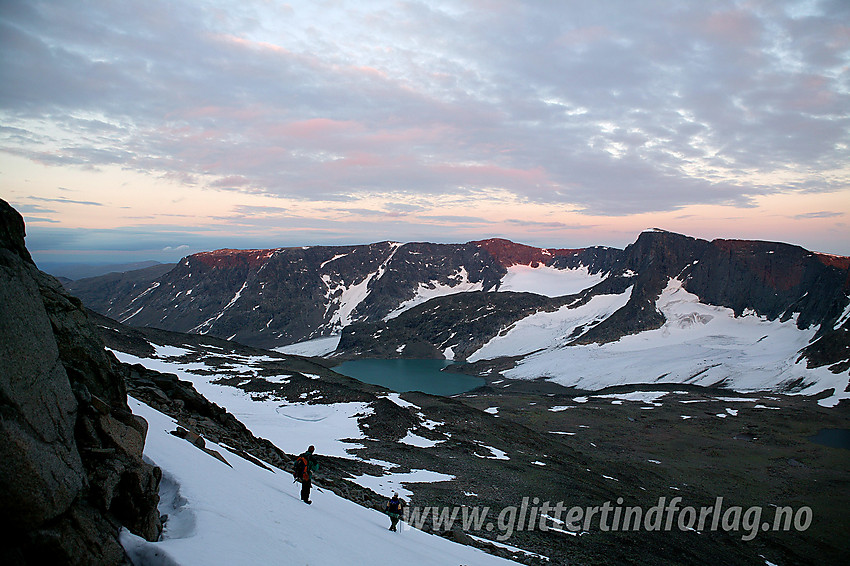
150,130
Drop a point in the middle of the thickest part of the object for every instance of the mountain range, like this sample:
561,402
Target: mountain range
459,301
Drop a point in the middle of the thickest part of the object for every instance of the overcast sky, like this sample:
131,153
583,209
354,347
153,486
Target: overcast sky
154,129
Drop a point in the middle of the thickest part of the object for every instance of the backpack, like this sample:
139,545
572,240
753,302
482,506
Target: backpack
300,468
394,506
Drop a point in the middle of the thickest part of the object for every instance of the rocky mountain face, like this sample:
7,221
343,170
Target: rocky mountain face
71,468
275,297
438,300
773,280
103,289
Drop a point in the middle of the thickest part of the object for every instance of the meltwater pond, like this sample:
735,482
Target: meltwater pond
410,375
834,437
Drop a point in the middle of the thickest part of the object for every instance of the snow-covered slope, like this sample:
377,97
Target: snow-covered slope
550,329
333,427
549,281
290,426
244,514
458,283
698,344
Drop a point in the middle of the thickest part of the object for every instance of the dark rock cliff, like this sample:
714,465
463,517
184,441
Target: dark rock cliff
268,298
71,468
772,279
508,253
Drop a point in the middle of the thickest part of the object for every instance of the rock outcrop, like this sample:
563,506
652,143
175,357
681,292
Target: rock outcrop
71,468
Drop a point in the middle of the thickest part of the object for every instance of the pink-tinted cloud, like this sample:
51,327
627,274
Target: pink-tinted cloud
316,128
735,26
615,108
250,44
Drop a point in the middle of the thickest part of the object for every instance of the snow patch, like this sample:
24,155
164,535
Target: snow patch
334,258
549,281
418,441
332,428
207,325
315,347
396,398
514,549
123,320
460,283
845,316
648,397
495,453
396,482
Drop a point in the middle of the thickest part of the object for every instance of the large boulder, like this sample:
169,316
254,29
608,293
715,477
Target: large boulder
71,468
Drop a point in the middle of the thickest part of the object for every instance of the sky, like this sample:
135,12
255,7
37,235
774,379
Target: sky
148,130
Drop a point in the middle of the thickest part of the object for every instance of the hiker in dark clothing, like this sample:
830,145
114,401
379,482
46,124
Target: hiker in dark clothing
305,465
394,508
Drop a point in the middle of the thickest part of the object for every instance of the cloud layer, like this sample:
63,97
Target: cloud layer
605,108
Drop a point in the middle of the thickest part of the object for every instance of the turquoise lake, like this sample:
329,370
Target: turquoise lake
410,375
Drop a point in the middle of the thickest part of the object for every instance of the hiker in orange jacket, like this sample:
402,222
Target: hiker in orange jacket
305,465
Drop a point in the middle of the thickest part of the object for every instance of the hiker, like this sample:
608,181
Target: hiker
394,507
305,465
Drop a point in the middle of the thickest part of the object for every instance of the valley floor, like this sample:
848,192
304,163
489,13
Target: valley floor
515,444
753,450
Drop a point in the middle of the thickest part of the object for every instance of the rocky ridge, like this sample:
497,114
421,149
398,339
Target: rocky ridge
270,298
71,468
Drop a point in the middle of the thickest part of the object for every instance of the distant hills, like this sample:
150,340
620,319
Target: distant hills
74,271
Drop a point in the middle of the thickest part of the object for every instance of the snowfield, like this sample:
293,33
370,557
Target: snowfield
549,281
434,289
542,280
549,329
315,347
699,344
332,425
244,514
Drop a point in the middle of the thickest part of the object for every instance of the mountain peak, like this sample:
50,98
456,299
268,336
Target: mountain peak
509,253
230,257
